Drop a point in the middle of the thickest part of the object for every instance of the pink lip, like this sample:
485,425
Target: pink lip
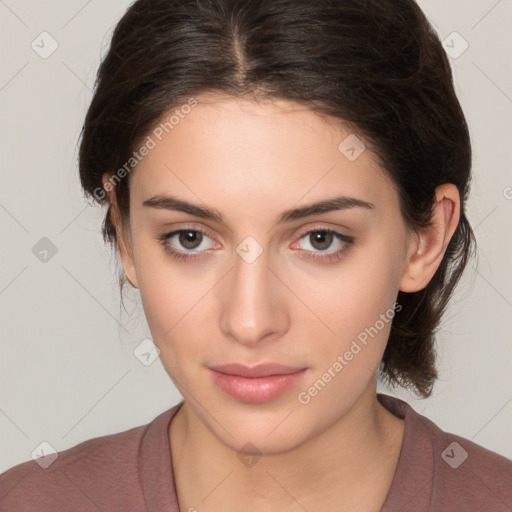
260,383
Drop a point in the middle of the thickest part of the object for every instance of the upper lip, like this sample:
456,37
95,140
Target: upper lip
260,370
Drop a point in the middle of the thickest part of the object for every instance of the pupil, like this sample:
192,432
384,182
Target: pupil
188,238
323,238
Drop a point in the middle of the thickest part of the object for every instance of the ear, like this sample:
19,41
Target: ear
427,248
122,232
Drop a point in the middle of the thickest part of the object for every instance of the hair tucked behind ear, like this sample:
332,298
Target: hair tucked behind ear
377,64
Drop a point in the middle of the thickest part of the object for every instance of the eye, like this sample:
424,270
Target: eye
320,240
188,244
191,240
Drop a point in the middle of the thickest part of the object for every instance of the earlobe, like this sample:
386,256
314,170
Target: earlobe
427,249
122,242
127,258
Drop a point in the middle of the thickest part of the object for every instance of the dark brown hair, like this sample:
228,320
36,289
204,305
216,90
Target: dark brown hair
377,64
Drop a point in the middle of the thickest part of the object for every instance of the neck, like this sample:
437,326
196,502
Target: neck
354,461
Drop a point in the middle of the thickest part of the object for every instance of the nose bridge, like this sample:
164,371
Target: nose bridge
252,308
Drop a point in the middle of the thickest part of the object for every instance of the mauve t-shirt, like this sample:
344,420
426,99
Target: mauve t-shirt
131,471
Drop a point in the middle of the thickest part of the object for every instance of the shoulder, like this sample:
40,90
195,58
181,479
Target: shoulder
448,471
89,476
466,473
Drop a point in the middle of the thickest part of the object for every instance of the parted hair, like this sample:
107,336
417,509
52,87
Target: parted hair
375,64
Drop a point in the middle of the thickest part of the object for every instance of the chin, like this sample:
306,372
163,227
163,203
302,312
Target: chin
259,427
259,443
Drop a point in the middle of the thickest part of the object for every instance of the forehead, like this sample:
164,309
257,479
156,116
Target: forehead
256,149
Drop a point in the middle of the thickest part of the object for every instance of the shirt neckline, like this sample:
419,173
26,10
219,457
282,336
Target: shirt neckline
416,455
416,458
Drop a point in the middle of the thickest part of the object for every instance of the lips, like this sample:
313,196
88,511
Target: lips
251,372
260,383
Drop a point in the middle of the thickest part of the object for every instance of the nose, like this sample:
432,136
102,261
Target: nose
253,301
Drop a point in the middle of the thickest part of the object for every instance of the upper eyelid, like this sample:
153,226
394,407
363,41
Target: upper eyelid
318,227
325,228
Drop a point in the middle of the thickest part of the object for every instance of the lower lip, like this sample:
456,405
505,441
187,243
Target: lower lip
260,389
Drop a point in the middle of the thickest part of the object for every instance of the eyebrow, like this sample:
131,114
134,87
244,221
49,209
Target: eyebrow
169,202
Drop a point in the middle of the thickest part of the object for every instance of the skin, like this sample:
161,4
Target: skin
251,161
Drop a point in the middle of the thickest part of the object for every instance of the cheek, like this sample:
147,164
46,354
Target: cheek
367,286
172,301
172,310
357,303
175,298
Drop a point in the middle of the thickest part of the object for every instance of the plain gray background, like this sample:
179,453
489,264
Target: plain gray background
67,368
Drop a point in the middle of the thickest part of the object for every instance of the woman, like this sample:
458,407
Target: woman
286,184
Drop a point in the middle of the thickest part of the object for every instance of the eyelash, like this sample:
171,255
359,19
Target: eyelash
315,255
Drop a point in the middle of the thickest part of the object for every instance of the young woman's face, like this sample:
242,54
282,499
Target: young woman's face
250,284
